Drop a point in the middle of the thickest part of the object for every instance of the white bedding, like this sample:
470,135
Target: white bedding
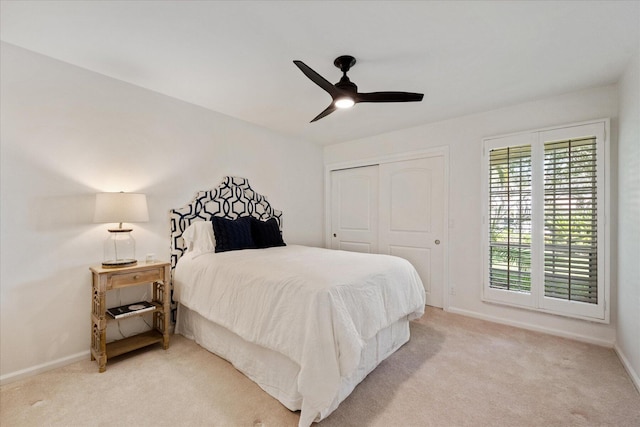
315,306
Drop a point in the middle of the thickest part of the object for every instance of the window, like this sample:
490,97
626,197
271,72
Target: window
546,240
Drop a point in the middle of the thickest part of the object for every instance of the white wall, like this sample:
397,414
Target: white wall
463,136
628,315
67,133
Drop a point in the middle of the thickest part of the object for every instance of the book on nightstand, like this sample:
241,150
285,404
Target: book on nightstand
130,309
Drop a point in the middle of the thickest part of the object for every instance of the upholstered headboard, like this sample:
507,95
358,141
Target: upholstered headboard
233,198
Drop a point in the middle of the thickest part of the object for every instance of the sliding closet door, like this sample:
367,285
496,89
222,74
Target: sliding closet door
354,209
412,218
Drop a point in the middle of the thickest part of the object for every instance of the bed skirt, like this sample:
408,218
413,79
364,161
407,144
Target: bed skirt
275,373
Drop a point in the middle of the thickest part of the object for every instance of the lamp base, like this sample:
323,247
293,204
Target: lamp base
119,263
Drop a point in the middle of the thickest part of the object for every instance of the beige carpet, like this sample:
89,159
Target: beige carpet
455,371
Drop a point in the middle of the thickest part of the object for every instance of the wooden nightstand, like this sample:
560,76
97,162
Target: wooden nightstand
105,279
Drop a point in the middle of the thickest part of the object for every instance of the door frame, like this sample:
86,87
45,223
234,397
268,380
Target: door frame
442,151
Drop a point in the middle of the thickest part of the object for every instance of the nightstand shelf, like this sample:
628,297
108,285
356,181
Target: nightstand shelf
155,274
116,348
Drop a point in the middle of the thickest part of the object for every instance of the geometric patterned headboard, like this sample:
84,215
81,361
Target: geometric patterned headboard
233,198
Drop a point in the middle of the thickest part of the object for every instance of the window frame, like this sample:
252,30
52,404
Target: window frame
536,299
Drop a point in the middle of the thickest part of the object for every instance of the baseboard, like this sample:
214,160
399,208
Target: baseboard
34,370
635,379
530,327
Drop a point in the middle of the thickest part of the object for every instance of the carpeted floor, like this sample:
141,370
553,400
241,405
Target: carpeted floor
455,371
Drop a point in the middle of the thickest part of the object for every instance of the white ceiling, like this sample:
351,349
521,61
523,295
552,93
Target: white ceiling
236,57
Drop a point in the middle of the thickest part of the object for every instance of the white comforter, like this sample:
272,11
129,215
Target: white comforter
316,306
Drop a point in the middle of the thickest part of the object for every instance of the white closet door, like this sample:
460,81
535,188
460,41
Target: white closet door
354,209
412,216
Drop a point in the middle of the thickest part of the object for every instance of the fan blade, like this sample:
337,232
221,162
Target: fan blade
330,109
389,97
317,79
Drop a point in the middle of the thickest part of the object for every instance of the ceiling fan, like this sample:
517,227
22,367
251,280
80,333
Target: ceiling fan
345,93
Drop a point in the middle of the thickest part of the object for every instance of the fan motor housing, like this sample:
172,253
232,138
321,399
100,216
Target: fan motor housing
347,85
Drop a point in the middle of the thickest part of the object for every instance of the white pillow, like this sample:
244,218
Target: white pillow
199,237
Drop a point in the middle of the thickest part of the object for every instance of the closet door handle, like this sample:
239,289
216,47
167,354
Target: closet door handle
437,242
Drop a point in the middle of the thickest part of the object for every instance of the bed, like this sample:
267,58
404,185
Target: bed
306,324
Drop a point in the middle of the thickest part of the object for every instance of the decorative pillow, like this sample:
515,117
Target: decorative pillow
232,234
266,234
199,237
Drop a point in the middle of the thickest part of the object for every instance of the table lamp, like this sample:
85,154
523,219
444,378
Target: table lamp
120,247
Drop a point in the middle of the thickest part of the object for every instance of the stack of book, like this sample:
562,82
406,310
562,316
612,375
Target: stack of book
130,309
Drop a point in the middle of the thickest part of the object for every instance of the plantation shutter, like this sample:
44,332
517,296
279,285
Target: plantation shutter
510,218
570,220
545,206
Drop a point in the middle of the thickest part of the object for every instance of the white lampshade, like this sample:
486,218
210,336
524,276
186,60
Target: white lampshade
121,207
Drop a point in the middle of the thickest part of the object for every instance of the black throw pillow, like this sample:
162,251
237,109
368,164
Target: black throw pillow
232,234
266,234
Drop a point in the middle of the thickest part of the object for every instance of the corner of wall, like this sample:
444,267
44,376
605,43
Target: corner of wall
628,270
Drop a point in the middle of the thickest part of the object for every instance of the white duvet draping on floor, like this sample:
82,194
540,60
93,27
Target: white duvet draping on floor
315,306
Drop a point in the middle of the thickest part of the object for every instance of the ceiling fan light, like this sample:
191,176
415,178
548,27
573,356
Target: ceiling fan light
345,102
